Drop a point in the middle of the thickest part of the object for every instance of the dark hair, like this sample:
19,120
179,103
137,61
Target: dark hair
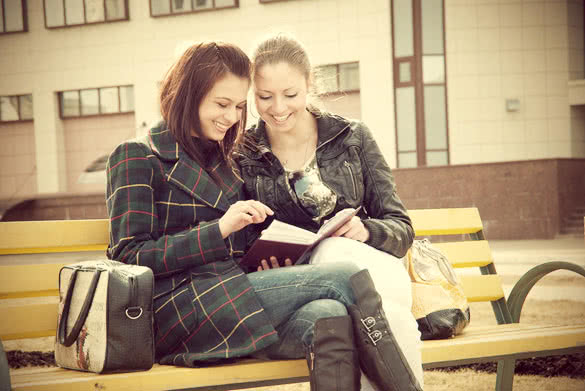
186,84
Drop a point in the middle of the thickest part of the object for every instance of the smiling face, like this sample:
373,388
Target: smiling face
222,107
281,95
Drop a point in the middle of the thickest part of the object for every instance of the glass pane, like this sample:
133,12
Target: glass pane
432,27
1,20
94,11
433,69
8,108
74,12
89,102
26,106
407,159
13,10
404,74
202,4
224,3
403,40
160,7
109,100
126,99
70,103
437,158
327,79
349,77
406,119
115,10
435,117
54,13
181,6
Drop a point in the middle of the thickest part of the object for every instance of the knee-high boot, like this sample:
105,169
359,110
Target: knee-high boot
332,359
380,356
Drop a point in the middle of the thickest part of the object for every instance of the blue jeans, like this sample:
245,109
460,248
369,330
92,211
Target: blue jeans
295,297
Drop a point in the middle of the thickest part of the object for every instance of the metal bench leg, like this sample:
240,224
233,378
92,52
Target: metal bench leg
505,379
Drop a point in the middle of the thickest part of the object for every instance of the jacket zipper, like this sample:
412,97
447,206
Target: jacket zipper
332,137
258,188
346,164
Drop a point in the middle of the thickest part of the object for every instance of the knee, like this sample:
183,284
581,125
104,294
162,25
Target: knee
323,308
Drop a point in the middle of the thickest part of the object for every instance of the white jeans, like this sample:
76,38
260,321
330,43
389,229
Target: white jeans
393,284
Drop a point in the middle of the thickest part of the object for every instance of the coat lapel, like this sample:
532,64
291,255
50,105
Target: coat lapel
190,177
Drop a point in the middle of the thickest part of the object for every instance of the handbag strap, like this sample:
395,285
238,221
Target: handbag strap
68,340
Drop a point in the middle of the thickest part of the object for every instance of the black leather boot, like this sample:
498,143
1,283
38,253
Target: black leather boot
332,359
380,356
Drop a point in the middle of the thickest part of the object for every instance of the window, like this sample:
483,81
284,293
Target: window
13,18
338,78
96,101
174,7
16,108
420,87
62,13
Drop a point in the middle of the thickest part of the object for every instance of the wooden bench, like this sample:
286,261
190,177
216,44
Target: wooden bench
50,242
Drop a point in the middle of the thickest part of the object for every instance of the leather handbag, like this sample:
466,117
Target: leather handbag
438,301
105,319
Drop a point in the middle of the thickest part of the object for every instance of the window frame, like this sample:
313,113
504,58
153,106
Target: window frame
212,8
17,110
24,18
85,23
418,83
338,91
99,114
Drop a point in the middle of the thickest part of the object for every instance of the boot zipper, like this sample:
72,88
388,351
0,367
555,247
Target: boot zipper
312,358
347,165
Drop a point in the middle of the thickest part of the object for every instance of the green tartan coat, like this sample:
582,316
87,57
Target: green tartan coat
164,210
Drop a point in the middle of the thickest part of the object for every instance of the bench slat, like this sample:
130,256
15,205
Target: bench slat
480,342
477,288
31,237
445,221
20,324
29,280
467,254
482,288
497,341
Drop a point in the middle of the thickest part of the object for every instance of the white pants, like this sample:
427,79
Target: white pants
392,283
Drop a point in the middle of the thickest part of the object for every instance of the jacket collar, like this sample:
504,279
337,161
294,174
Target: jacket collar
329,127
189,176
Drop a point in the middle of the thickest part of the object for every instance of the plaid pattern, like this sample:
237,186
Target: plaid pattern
164,210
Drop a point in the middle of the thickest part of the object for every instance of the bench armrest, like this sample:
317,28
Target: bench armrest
530,278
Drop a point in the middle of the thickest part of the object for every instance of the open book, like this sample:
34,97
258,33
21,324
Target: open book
284,240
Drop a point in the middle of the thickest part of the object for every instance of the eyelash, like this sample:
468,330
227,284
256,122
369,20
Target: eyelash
268,97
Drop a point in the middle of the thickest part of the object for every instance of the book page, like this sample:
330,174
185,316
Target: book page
282,232
337,221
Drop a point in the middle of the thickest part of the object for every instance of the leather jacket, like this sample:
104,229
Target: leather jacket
350,163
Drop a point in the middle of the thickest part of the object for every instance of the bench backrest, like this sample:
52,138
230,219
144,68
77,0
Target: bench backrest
25,277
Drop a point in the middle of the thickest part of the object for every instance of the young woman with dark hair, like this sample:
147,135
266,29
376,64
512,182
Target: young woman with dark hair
176,205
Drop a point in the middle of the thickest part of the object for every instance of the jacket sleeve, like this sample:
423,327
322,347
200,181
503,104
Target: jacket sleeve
134,221
388,223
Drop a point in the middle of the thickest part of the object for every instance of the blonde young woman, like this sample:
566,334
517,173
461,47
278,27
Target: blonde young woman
307,165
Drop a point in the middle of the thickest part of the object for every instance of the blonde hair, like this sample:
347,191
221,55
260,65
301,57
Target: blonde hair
282,47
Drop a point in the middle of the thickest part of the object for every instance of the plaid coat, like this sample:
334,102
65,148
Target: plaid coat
164,210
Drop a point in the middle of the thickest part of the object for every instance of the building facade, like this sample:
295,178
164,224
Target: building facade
441,83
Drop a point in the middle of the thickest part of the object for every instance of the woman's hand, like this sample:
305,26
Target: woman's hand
353,229
273,264
241,214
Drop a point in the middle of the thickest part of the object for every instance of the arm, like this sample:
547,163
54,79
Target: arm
389,226
135,236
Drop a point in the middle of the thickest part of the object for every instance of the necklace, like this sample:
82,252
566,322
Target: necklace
285,156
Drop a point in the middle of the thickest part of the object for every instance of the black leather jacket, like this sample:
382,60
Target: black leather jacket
350,163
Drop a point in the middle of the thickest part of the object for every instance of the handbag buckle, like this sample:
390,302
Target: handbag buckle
375,336
368,322
133,317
